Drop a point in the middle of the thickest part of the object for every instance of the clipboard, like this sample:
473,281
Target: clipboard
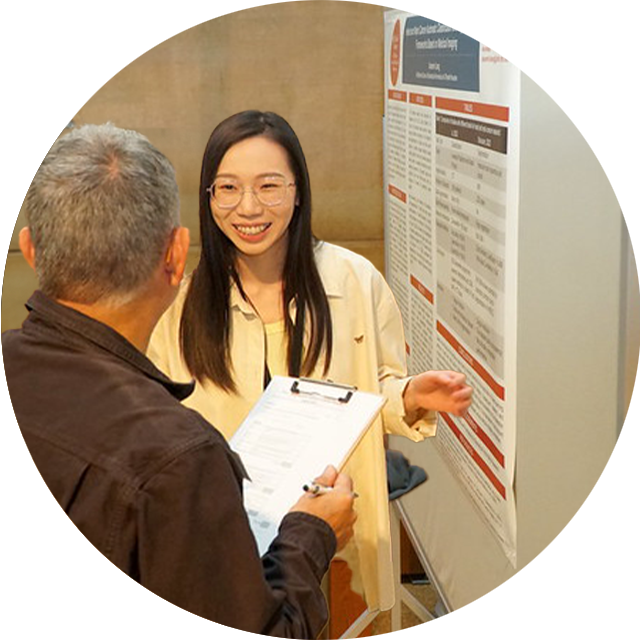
297,428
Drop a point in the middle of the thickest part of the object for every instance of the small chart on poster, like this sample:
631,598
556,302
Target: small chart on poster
451,198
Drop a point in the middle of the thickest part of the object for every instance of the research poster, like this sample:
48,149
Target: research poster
451,198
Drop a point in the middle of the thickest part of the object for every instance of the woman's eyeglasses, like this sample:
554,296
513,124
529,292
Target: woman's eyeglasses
269,191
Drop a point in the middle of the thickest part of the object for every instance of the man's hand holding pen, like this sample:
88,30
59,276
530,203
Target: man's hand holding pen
332,501
315,489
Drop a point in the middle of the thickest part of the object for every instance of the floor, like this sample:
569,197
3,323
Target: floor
422,592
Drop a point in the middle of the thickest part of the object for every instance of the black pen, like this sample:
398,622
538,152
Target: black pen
316,489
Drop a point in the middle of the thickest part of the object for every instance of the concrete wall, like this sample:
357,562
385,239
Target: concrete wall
173,69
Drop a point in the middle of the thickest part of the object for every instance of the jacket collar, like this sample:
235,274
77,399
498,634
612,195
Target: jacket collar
92,331
331,274
236,301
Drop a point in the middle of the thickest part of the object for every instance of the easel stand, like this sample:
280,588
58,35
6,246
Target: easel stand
365,619
403,596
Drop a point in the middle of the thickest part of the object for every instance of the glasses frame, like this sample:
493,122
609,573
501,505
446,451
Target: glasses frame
287,185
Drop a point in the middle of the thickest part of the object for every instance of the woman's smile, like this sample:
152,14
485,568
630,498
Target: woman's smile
252,232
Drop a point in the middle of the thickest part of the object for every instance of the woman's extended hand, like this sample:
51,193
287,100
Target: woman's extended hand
445,391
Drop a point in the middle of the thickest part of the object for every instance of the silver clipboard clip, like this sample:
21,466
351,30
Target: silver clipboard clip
296,388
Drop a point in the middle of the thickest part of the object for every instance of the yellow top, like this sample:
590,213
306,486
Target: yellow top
276,347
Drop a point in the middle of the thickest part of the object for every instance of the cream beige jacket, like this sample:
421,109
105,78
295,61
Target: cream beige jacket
368,352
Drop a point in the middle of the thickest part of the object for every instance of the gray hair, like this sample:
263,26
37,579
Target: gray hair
101,209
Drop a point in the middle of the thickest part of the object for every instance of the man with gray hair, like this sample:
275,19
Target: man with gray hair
100,210
149,482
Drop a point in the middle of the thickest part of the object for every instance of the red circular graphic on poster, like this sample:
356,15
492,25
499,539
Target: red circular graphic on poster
395,53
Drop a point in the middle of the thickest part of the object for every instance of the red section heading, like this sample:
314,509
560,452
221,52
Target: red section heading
401,195
469,359
493,479
394,94
495,112
421,99
395,53
421,288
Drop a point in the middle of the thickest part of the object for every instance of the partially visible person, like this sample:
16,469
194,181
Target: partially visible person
149,482
17,175
42,600
106,589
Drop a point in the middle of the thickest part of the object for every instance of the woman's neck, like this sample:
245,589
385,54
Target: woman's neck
261,270
261,277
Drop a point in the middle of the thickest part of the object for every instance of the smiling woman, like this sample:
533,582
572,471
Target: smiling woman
267,299
265,245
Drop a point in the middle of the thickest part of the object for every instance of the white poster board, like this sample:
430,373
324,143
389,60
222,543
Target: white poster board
451,208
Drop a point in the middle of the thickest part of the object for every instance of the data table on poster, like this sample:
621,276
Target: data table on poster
470,210
471,179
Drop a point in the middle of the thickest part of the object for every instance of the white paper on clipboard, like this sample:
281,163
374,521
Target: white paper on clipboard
294,431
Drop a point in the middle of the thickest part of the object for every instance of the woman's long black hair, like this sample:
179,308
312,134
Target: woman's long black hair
205,323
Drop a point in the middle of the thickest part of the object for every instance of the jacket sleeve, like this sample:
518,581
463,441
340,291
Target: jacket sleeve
43,600
196,550
392,369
